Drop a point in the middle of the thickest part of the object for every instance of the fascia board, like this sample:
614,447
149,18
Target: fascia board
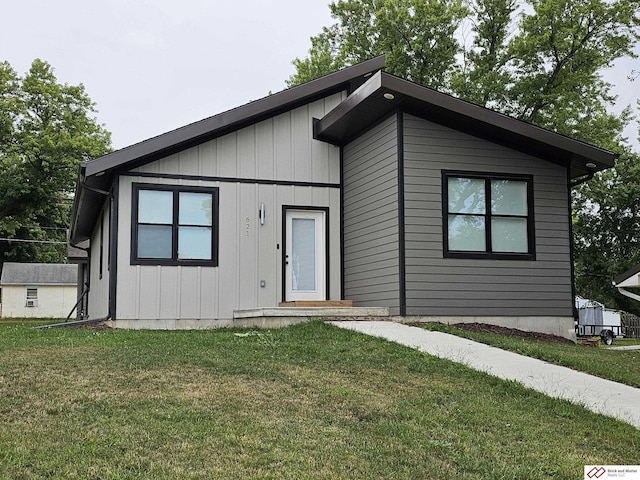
332,127
498,120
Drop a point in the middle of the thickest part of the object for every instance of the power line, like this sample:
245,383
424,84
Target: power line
24,240
44,228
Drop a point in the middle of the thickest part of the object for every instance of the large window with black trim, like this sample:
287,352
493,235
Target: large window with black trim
488,215
174,225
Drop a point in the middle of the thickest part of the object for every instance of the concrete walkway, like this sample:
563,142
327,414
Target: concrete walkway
596,394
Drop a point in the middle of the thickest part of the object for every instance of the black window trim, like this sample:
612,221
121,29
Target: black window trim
487,177
174,261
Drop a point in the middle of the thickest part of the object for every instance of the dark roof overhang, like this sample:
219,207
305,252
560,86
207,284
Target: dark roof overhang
96,176
348,79
384,93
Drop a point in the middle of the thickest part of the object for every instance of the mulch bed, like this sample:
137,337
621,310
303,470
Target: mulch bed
511,332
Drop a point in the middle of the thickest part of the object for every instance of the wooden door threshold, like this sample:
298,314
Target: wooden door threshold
317,303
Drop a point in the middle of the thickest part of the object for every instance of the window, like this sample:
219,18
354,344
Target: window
32,297
174,225
488,216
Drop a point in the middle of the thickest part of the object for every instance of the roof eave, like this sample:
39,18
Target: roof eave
99,173
620,280
383,93
204,130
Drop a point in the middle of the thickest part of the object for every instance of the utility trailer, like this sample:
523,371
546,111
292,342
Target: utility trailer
595,320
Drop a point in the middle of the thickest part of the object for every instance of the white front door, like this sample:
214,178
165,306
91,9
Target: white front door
305,262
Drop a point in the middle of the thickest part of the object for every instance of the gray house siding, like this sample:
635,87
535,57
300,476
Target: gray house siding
275,162
437,286
370,206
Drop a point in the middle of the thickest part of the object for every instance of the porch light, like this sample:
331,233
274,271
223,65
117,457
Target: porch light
590,165
389,96
261,214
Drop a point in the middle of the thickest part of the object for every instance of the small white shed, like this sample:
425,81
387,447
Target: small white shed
37,290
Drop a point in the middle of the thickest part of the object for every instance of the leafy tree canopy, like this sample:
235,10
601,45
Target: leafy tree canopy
540,61
46,130
536,60
606,227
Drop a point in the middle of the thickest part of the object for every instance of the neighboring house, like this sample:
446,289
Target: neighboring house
359,185
38,290
629,279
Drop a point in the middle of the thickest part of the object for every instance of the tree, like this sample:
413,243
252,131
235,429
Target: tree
536,60
418,37
541,65
606,225
46,130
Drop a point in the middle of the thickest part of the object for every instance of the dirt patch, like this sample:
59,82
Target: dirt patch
511,332
90,326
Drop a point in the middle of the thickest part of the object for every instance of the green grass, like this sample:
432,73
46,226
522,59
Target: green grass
619,366
309,401
619,342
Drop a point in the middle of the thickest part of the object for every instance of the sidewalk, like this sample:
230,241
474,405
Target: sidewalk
596,394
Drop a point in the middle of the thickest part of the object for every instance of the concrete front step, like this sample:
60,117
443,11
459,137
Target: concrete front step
323,313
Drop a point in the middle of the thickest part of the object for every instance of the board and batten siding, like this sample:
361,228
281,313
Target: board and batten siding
98,301
370,205
280,149
437,286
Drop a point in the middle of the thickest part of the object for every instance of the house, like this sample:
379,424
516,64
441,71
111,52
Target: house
38,290
629,279
359,186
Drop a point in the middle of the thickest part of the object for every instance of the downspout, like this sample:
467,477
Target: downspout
84,296
83,185
583,179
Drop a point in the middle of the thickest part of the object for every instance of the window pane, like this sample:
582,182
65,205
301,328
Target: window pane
154,241
303,250
196,209
509,235
467,233
155,207
466,195
194,243
508,197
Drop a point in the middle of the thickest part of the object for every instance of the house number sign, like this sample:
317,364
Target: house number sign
247,226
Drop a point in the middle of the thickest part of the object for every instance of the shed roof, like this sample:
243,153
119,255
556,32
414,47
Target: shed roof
38,274
384,93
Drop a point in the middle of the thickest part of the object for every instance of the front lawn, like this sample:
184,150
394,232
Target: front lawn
308,401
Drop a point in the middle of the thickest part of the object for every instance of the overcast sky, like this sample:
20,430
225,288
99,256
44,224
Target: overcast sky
154,65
